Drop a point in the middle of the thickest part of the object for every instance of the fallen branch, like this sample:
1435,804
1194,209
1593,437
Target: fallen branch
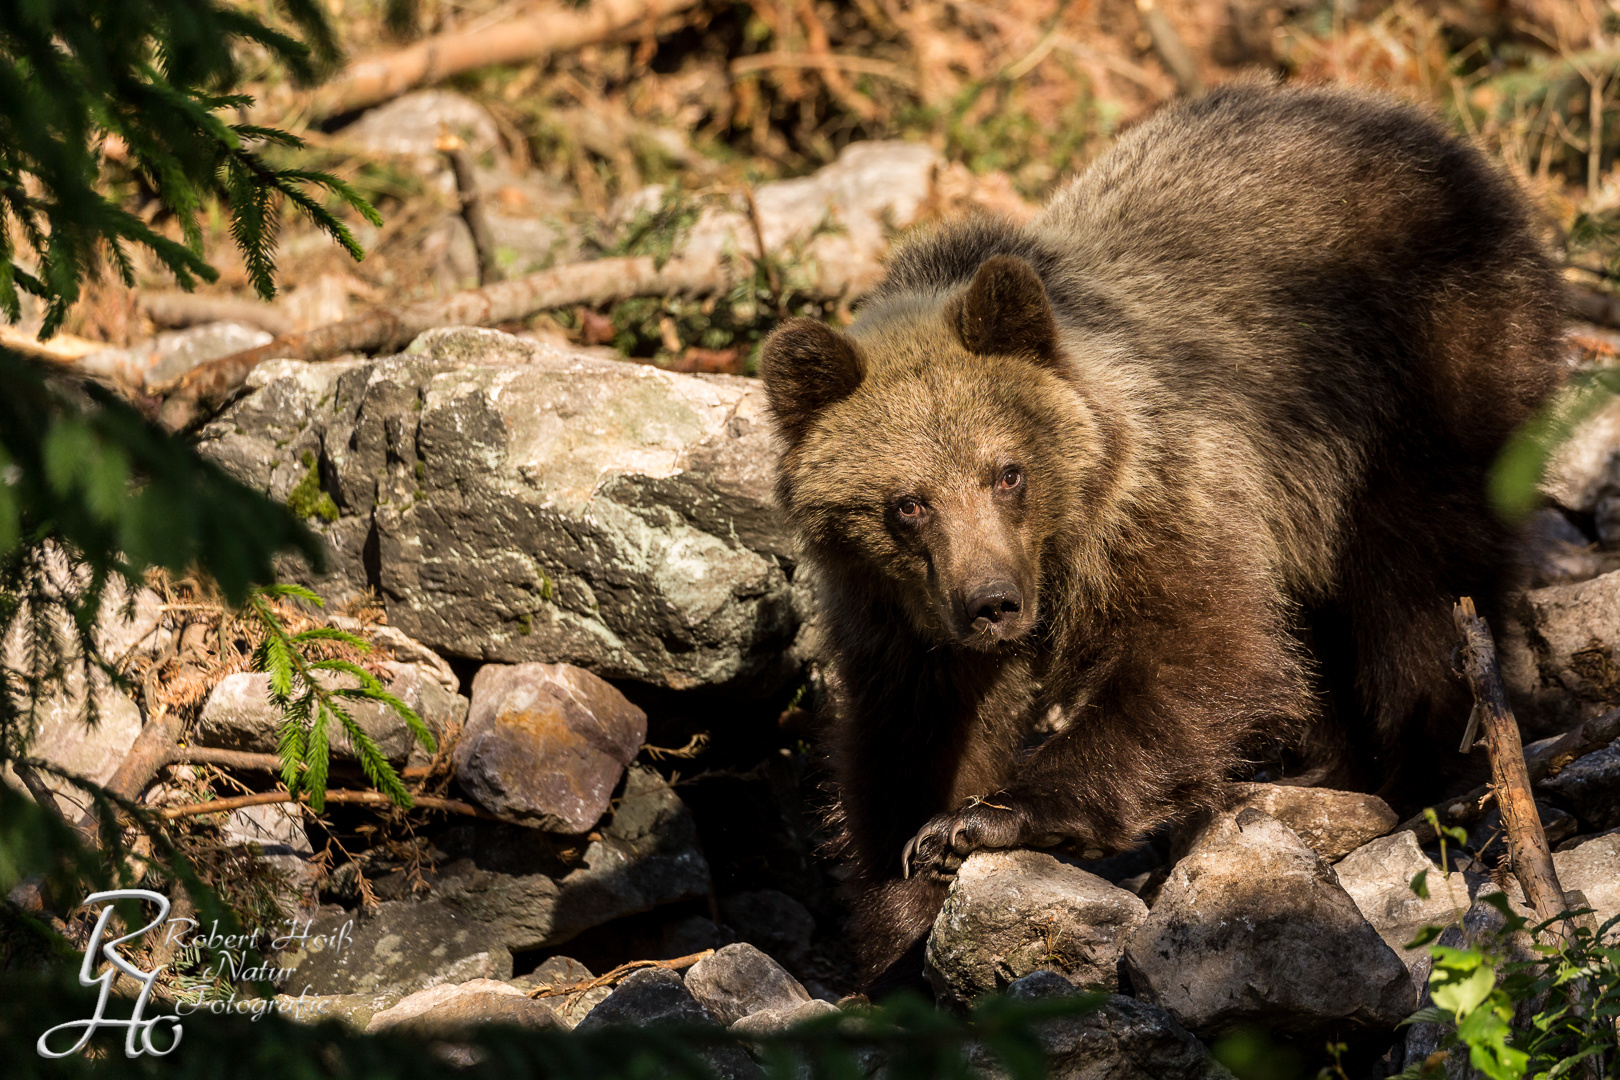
472,206
612,978
208,386
362,798
63,348
178,310
553,30
1527,843
153,748
1539,764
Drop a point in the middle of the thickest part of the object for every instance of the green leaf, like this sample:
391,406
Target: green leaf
1461,990
1420,885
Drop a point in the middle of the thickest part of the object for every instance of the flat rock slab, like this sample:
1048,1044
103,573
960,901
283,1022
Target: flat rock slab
512,501
1009,913
399,947
739,980
1121,1039
1592,868
1378,877
647,855
453,1008
1253,928
1331,823
546,743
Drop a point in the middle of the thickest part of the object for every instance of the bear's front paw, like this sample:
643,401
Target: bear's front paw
940,846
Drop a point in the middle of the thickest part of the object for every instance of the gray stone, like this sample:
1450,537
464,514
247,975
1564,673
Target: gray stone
277,829
776,1021
61,735
647,855
1253,928
771,920
657,996
739,980
399,947
563,971
649,996
238,714
1331,823
452,1008
1378,876
546,743
511,501
149,365
1592,869
1569,669
352,1010
1120,1039
1590,787
410,126
1009,913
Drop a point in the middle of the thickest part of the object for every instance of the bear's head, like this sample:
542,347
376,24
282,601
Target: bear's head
936,451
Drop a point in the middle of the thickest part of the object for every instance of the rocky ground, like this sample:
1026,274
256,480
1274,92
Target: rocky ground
565,563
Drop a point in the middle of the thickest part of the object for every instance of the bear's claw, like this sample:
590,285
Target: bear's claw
940,846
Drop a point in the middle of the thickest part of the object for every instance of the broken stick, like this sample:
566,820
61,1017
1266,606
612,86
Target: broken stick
1527,843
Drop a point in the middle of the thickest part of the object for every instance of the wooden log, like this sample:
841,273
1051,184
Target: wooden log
472,206
1527,844
553,29
178,310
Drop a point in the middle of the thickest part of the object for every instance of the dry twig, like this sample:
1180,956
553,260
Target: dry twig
612,978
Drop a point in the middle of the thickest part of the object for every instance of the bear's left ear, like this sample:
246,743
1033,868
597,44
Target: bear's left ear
1005,312
806,366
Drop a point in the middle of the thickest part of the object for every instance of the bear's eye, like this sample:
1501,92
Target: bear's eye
1010,479
909,509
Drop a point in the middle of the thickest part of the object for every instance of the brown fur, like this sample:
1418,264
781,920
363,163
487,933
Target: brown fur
1236,389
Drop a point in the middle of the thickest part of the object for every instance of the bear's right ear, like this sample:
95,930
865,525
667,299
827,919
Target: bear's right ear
807,366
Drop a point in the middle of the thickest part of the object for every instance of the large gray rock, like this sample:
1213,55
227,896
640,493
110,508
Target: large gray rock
657,996
1590,787
512,502
1120,1039
452,1008
546,743
647,855
649,996
1331,823
1009,913
1253,928
739,980
399,947
1378,877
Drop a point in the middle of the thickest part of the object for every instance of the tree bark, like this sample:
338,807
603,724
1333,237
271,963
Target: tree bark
177,310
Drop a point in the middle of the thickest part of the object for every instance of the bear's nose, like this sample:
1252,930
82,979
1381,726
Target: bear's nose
994,602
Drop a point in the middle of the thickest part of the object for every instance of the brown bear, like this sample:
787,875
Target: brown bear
1193,463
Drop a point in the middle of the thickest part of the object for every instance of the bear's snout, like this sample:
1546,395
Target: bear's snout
993,610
